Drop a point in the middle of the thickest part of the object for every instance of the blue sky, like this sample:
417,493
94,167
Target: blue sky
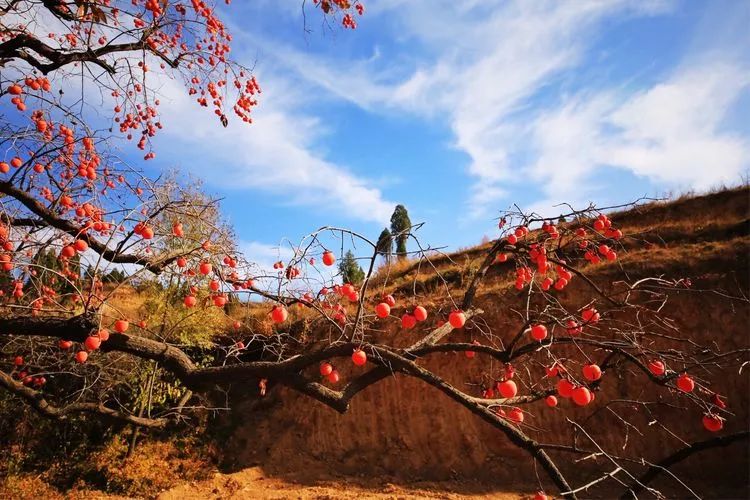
457,109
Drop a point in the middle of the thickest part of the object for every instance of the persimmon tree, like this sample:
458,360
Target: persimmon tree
68,350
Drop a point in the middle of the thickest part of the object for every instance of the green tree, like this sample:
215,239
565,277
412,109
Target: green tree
350,270
385,244
115,276
400,225
50,269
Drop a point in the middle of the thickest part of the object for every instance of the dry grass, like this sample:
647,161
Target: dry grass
155,466
686,237
658,234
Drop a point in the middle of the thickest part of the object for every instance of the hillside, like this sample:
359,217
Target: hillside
400,439
419,437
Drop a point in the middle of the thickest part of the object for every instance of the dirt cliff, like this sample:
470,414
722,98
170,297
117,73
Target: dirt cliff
402,430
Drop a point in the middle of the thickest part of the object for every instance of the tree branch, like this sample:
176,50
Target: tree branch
42,406
658,468
155,265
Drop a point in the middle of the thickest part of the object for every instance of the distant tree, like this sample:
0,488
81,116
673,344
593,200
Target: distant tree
400,225
115,276
59,274
350,270
385,244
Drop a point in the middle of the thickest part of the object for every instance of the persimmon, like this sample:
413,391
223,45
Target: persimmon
551,401
516,415
190,301
388,299
220,300
328,258
581,396
68,251
457,319
539,332
408,321
420,313
685,383
716,399
382,310
177,230
205,268
573,328
181,262
565,387
64,344
82,356
213,285
103,334
340,318
80,245
656,367
326,369
592,372
590,315
547,283
507,389
279,314
92,343
121,326
539,495
333,377
713,423
359,357
18,361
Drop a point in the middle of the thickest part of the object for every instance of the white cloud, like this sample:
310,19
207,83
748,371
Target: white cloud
670,133
274,154
476,65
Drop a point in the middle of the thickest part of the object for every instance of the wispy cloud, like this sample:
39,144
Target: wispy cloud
670,134
276,154
477,64
490,70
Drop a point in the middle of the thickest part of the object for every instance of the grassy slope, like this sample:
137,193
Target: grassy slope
401,432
